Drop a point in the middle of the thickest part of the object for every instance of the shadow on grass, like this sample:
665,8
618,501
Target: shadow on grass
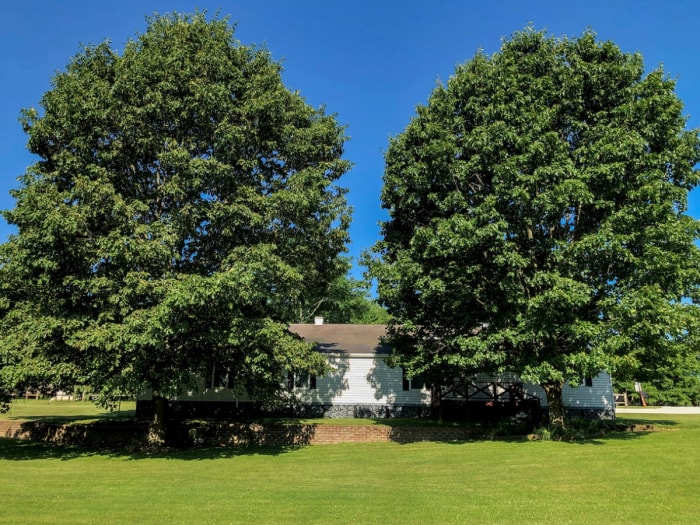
224,439
127,438
87,418
22,450
643,421
579,432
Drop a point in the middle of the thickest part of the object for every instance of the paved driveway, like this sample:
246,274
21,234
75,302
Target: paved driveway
657,410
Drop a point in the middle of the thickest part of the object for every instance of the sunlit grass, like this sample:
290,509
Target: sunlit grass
46,409
622,478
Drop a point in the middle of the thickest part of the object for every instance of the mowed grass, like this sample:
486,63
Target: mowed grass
49,410
623,478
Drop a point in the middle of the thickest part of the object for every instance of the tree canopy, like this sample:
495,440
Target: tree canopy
184,204
347,301
537,219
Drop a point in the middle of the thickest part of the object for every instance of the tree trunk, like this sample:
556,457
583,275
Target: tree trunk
436,401
557,414
157,428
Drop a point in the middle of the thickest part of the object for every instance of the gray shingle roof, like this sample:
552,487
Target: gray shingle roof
352,339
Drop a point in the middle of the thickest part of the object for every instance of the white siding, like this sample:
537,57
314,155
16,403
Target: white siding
369,381
600,395
354,381
362,381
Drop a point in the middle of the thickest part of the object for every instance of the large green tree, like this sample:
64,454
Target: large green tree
184,204
538,219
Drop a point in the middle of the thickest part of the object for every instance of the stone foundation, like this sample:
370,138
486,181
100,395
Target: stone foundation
249,410
591,413
452,411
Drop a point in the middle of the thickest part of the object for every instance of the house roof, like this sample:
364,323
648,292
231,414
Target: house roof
358,340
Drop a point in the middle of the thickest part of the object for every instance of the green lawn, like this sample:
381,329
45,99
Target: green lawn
65,410
625,478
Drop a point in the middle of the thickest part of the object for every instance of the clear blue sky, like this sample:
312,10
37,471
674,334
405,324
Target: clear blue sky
369,61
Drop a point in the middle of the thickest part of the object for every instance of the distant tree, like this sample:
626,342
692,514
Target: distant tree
538,219
345,301
183,203
675,385
369,311
350,303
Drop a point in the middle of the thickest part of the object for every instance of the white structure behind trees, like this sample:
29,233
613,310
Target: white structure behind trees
362,384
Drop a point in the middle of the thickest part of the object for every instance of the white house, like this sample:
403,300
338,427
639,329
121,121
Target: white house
363,385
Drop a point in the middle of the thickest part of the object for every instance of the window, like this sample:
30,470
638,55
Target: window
218,377
588,381
301,380
414,383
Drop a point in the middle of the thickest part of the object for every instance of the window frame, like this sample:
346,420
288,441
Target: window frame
410,384
301,381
